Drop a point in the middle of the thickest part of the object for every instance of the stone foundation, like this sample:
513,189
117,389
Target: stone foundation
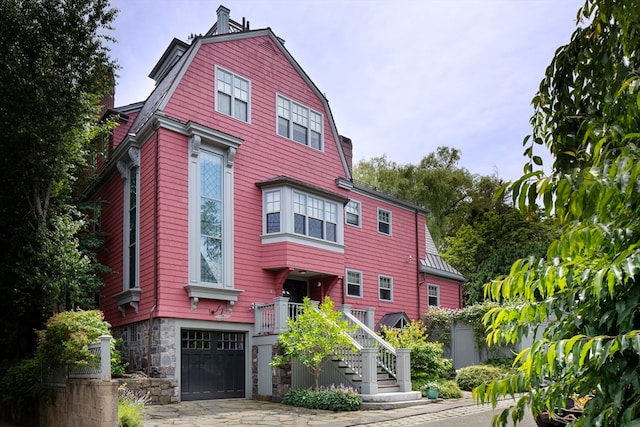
161,391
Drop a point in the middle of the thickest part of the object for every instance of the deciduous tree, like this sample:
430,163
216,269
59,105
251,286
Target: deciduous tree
587,113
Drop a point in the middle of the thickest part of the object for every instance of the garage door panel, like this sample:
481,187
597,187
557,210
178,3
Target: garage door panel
212,365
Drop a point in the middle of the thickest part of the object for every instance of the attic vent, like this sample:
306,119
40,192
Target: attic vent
268,46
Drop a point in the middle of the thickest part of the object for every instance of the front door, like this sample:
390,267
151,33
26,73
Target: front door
212,365
296,290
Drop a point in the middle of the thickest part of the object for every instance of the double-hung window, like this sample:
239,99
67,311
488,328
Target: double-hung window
272,211
233,95
315,217
299,123
384,221
385,288
352,213
433,295
354,283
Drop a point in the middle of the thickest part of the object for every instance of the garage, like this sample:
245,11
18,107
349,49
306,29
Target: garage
212,364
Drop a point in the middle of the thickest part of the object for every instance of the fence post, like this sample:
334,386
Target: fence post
369,371
105,357
370,317
403,366
344,308
281,314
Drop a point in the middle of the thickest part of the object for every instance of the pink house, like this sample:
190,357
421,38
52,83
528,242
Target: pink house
227,199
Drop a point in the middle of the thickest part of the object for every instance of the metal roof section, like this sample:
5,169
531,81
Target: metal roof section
433,264
393,320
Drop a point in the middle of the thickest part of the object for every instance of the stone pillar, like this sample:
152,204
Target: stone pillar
403,368
369,371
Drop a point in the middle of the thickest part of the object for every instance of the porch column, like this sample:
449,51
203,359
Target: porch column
403,366
344,308
370,317
369,371
281,313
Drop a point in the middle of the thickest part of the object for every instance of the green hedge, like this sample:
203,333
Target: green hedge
332,399
471,377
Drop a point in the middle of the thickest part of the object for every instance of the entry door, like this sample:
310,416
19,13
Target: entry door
212,365
296,290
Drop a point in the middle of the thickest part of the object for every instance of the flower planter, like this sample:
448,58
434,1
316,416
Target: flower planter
432,393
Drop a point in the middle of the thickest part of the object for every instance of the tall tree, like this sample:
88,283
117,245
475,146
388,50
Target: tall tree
55,69
437,183
587,287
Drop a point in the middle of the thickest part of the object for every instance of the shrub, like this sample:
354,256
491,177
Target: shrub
20,391
66,337
332,399
427,362
130,407
449,390
471,377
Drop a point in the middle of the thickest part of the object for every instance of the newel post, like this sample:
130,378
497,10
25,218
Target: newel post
105,357
369,371
403,366
281,313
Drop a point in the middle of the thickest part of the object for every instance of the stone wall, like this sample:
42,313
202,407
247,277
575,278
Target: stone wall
135,346
161,390
82,402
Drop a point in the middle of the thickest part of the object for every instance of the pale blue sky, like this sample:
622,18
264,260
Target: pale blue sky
402,77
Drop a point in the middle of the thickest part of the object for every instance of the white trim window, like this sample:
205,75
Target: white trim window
353,213
354,283
299,123
233,95
272,211
131,228
385,288
384,221
315,217
433,295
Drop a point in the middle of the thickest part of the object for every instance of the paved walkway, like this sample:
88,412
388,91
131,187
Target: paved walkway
246,412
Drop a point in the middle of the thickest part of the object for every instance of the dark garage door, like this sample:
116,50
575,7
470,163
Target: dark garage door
212,365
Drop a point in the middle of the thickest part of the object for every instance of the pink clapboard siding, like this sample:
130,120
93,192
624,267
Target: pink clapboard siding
263,155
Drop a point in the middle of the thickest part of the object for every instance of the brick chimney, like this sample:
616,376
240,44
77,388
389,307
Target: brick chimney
223,20
347,148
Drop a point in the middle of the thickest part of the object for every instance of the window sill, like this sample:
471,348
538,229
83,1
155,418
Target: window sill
195,291
131,297
303,240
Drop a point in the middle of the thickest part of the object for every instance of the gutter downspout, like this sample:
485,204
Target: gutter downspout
418,266
155,251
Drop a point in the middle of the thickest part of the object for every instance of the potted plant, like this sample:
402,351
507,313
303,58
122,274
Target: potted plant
432,388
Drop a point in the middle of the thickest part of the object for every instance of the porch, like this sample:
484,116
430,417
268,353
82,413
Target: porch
379,372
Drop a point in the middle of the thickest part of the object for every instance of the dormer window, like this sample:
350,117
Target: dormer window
299,123
233,95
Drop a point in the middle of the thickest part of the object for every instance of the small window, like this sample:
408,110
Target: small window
233,95
384,221
385,288
230,341
272,211
354,283
433,295
352,213
299,123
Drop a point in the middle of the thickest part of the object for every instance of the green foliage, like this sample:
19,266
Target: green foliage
130,407
315,333
427,362
331,399
473,376
586,287
55,70
66,338
447,389
21,389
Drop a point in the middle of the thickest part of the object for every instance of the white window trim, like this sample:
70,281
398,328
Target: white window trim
225,289
359,224
309,109
380,277
234,76
129,295
287,225
346,283
437,296
378,222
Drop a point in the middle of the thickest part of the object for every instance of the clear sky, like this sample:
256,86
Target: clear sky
402,77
